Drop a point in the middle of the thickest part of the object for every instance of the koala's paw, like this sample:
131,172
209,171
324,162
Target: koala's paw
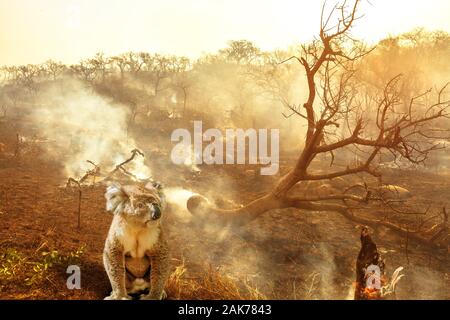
115,296
151,296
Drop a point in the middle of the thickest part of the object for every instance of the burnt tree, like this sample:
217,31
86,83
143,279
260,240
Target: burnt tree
334,102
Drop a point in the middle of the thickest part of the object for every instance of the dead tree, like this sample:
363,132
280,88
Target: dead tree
182,80
101,65
28,76
54,69
84,70
78,184
333,102
241,51
121,63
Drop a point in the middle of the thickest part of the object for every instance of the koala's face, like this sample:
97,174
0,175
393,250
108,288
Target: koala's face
144,207
138,204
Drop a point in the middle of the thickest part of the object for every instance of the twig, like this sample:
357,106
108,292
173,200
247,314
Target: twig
134,153
78,184
71,182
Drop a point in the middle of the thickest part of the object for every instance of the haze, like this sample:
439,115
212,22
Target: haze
70,30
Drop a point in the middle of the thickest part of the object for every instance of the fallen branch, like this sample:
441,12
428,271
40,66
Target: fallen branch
429,242
199,205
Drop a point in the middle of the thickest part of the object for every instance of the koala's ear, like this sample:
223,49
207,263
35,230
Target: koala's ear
115,197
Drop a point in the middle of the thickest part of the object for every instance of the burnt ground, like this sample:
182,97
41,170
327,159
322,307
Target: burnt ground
284,254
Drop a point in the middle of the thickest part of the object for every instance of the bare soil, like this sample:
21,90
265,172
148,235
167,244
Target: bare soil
283,254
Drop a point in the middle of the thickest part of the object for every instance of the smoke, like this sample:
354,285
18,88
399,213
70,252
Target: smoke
84,126
213,243
422,283
177,198
327,270
187,155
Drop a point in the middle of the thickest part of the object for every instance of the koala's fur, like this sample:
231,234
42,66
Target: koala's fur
136,255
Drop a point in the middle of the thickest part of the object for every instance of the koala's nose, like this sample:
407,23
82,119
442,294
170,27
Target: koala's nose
156,212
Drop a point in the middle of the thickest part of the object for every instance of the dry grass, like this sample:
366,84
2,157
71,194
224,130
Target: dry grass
33,270
37,271
212,285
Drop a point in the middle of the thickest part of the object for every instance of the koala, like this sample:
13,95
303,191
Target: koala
136,255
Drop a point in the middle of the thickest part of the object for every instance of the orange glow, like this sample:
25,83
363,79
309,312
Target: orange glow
34,31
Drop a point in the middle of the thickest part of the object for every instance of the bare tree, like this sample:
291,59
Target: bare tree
100,64
241,51
11,74
4,73
182,78
329,65
54,69
27,76
84,70
121,62
159,70
276,80
134,62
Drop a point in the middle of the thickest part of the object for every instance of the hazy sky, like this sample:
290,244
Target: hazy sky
32,31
